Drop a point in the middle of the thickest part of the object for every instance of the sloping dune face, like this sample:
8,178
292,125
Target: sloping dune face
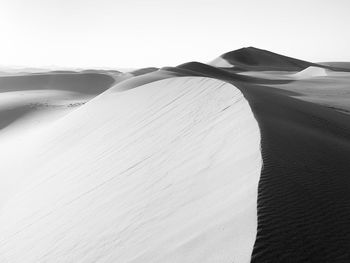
165,172
29,103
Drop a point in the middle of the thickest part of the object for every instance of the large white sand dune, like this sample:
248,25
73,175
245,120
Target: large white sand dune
165,172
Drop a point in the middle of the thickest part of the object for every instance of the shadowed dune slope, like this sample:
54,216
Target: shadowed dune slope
251,58
165,172
142,71
304,190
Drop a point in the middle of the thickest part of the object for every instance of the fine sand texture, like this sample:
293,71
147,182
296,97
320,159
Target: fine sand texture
163,172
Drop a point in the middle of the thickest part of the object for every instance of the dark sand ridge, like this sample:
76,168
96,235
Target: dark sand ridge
304,190
142,71
254,59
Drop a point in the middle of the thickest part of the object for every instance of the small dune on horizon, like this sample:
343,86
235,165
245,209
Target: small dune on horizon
311,72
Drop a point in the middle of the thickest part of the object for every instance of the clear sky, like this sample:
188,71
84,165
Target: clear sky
139,33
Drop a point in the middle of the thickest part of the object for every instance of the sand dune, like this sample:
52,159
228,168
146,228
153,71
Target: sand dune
251,58
344,65
142,71
48,94
311,72
162,165
141,79
86,83
168,175
331,91
29,104
200,69
254,59
220,62
304,185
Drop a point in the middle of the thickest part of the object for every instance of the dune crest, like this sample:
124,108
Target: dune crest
251,58
166,172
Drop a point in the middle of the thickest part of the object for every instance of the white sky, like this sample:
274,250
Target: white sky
140,33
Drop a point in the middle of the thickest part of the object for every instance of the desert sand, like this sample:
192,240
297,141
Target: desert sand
304,184
243,159
47,96
165,172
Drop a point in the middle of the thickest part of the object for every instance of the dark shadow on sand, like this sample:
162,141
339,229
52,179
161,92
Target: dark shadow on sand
304,189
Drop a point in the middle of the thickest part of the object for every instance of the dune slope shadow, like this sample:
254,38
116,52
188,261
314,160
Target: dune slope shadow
304,189
304,195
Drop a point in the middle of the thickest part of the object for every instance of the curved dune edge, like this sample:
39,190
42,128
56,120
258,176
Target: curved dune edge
166,172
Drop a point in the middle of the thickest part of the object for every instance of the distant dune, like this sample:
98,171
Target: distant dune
29,102
345,65
221,63
254,59
311,72
143,71
251,58
87,83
